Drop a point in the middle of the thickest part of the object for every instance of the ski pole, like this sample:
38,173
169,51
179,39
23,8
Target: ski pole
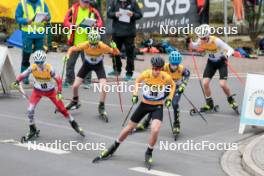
119,94
194,107
22,92
197,72
123,124
170,120
63,68
235,73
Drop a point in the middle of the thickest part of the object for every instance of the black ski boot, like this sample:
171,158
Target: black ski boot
106,154
233,103
74,104
209,106
33,133
76,127
148,159
102,112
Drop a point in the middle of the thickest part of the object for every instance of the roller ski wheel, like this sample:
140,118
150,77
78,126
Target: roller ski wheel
103,116
102,113
33,134
236,110
148,161
77,128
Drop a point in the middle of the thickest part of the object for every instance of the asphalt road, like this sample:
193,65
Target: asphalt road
18,160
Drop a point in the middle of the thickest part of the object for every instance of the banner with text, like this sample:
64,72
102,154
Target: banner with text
171,13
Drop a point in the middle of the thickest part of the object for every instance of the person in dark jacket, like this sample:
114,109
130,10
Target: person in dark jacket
124,32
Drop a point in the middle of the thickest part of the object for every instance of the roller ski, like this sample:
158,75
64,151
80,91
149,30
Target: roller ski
73,105
209,107
233,104
148,160
76,127
32,134
102,112
106,154
206,110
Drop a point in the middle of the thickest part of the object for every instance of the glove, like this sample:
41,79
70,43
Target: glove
134,99
181,88
59,96
113,45
15,85
65,58
168,103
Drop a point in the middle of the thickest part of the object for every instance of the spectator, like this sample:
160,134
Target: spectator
32,33
124,33
75,15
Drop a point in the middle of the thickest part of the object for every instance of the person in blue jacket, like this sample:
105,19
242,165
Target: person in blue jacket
33,33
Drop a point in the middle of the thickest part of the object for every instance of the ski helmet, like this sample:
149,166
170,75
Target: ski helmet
39,57
175,58
157,62
203,31
94,37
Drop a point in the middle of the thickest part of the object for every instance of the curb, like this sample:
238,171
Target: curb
247,162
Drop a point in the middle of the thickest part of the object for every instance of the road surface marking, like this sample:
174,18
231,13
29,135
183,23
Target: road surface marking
152,172
32,146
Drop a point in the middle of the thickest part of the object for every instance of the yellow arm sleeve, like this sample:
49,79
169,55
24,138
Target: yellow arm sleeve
172,88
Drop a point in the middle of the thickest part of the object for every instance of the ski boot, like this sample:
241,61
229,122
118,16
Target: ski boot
142,126
76,127
33,133
148,160
176,130
233,103
74,104
106,154
102,112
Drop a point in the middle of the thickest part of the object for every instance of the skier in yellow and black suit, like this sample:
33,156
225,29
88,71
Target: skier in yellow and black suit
180,76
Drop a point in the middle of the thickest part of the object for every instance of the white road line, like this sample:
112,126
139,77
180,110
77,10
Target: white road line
152,172
32,146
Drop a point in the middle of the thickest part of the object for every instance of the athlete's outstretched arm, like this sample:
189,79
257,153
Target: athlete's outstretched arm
79,47
23,75
225,47
57,79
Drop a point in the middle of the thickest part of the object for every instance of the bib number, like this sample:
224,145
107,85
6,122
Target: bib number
153,94
44,86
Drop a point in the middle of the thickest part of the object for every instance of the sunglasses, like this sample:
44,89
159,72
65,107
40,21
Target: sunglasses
157,68
85,2
175,65
39,63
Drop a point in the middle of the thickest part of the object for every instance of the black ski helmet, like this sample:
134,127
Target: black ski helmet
157,61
